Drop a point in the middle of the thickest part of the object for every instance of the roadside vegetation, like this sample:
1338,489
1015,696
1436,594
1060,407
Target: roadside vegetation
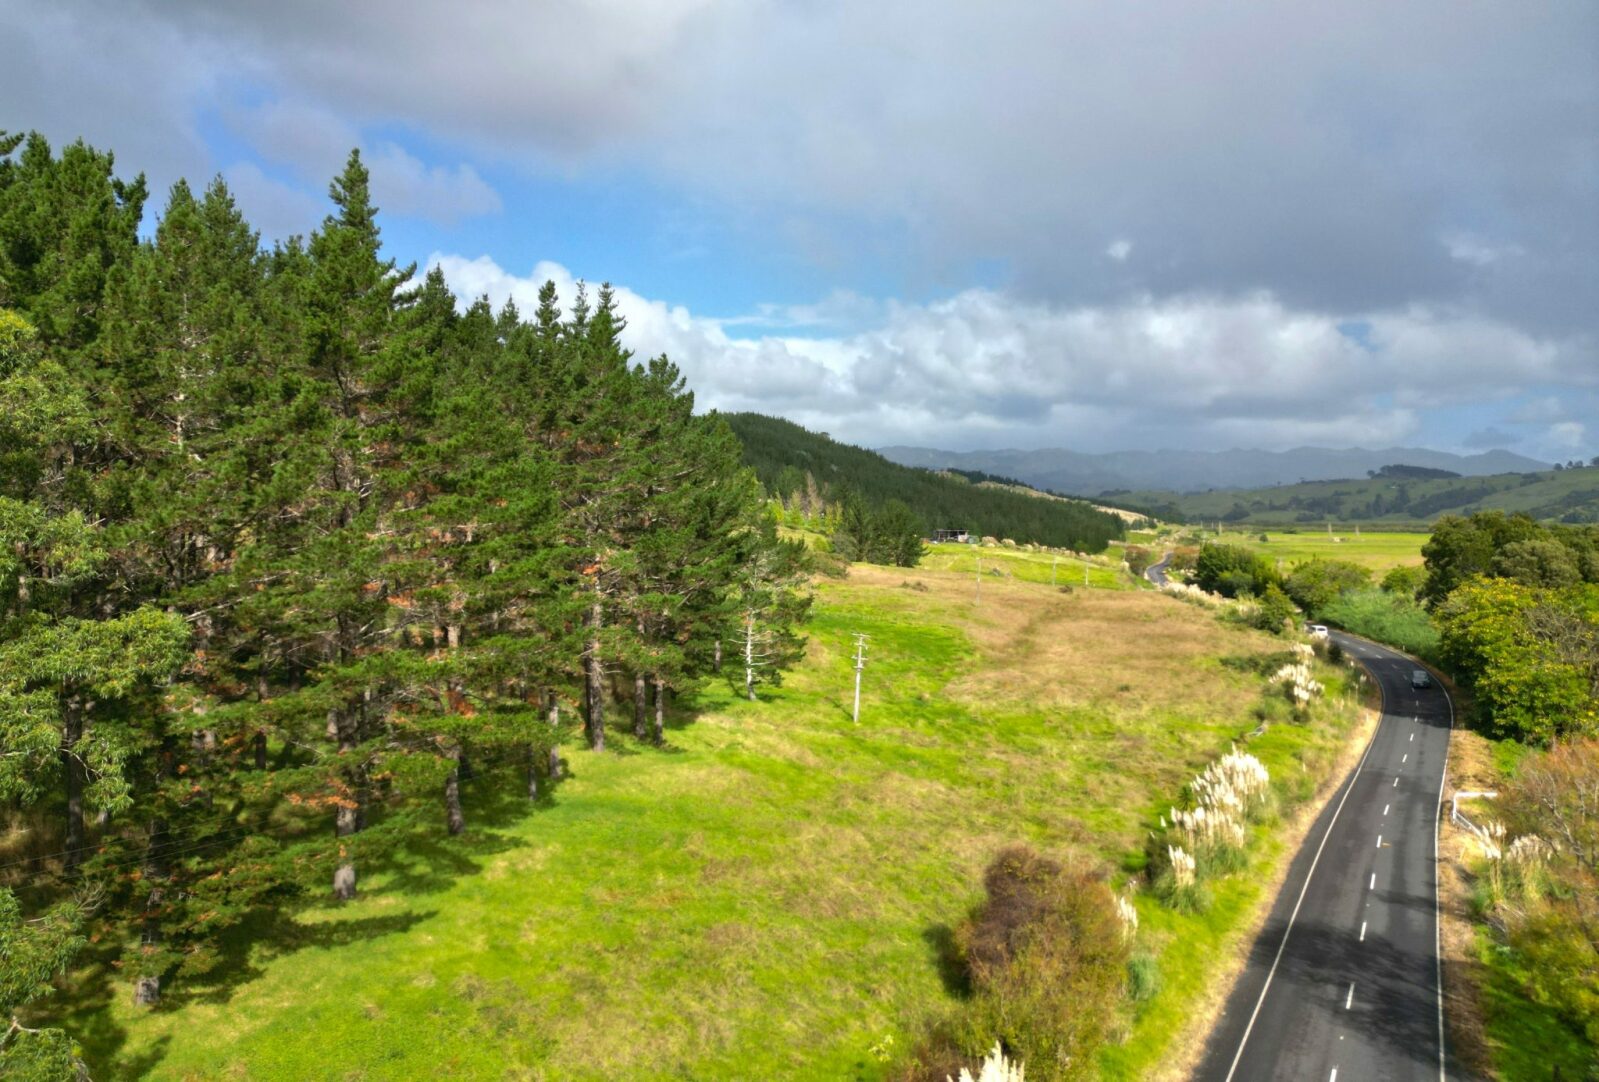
1509,609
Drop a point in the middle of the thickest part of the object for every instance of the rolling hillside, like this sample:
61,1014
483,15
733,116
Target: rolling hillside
1570,495
1195,471
796,464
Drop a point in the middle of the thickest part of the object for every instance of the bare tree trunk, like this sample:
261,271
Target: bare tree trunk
347,818
454,818
533,773
74,776
260,749
749,660
641,707
716,661
660,710
147,989
594,668
555,728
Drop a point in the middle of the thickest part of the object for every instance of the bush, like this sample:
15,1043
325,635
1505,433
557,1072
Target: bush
1143,977
1231,570
1047,961
1276,612
1388,618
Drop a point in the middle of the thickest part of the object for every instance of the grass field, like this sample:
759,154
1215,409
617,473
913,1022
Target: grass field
1377,551
772,895
1043,568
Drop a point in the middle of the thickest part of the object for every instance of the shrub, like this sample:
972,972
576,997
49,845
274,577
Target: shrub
1143,977
1276,611
1048,965
1389,618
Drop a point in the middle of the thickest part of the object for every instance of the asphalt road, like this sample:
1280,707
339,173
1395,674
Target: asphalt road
1343,982
1156,573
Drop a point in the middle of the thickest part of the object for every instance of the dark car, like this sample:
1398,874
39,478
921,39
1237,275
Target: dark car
1420,678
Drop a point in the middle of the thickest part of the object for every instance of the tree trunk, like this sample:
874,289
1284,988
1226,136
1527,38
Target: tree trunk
455,819
147,989
347,818
660,710
75,776
555,728
716,661
749,660
594,668
533,773
641,707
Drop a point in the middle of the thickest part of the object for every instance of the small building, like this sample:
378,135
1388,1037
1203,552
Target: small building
959,537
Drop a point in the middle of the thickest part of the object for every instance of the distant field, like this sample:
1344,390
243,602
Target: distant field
1378,551
767,897
1045,568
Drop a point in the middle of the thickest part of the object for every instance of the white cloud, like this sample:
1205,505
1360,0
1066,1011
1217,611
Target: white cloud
984,368
1238,146
1119,250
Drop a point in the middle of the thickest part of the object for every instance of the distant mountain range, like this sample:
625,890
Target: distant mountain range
1080,474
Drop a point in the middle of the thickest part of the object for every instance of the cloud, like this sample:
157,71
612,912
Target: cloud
1317,152
1119,250
985,368
314,143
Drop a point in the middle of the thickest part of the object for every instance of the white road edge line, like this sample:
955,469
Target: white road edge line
1334,1077
1396,782
1305,887
1437,923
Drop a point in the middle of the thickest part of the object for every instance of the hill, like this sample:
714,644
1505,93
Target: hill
797,465
1194,471
1569,495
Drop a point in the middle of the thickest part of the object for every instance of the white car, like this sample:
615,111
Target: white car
1316,631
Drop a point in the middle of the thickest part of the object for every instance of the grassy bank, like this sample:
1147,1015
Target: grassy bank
772,895
1387,618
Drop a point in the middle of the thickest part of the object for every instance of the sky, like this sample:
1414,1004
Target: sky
1100,226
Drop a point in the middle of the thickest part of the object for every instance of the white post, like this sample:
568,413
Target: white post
977,590
860,663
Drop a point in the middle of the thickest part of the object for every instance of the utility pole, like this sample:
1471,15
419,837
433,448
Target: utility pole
1053,564
977,590
1085,574
860,664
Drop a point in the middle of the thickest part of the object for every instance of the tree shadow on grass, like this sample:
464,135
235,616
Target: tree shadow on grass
940,940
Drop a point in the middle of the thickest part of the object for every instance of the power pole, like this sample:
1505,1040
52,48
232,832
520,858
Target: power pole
1053,564
860,664
977,590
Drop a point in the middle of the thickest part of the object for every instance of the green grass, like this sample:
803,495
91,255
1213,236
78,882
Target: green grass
1044,568
770,896
1376,551
1527,1040
1387,618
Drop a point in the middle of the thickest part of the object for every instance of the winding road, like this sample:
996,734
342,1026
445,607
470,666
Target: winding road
1344,979
1156,573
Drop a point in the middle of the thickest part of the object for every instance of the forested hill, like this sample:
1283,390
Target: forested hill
797,465
1568,494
